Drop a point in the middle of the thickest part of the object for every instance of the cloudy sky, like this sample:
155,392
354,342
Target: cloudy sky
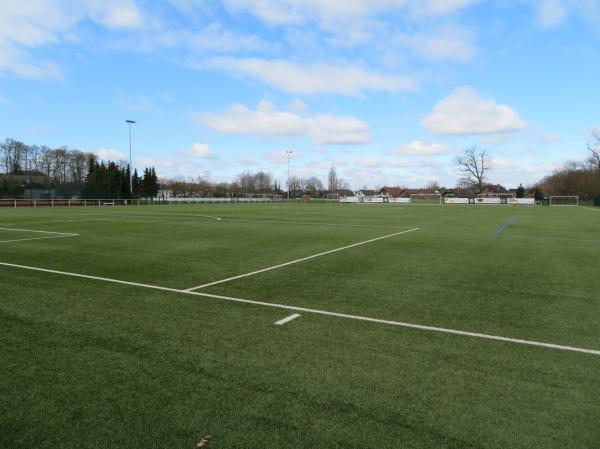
387,91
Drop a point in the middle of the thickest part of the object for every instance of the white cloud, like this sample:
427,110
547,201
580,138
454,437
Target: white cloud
369,162
201,150
209,38
245,160
106,154
285,12
266,120
550,138
3,100
551,12
281,156
27,25
115,13
465,112
420,148
444,44
503,164
398,162
19,62
137,103
315,78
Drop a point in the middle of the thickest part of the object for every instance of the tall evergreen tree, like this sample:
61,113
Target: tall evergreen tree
154,184
137,184
89,187
521,191
146,183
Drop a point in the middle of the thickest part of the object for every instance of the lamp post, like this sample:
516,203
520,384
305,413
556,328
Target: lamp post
289,154
130,122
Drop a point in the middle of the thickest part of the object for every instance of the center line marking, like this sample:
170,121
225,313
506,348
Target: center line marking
287,319
298,260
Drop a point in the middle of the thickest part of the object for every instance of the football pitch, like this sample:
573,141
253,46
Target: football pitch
300,326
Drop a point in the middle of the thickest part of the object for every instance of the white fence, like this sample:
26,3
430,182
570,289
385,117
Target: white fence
521,201
400,200
487,201
372,199
456,200
128,202
14,203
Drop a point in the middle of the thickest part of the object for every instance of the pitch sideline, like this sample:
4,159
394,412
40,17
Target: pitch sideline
321,312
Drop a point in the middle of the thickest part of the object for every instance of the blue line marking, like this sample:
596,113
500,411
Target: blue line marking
504,226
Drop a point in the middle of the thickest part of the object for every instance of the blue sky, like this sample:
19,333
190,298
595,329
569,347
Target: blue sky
387,91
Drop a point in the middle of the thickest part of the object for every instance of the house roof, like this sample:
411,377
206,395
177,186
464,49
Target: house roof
494,188
392,191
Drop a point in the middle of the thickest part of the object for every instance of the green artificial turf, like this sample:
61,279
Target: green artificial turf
93,364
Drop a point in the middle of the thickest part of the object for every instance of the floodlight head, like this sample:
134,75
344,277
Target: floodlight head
129,121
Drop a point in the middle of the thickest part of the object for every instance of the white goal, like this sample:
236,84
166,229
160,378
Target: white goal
426,198
564,200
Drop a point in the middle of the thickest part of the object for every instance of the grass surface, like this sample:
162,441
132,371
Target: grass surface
92,364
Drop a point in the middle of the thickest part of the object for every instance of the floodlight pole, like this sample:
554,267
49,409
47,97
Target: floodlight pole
130,122
289,153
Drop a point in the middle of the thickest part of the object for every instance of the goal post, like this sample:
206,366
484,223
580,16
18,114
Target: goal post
426,198
564,200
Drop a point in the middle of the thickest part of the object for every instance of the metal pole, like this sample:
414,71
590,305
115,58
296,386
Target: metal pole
130,122
130,166
289,153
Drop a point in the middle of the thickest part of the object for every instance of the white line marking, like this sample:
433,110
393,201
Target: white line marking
321,312
287,319
210,216
237,220
299,260
39,238
560,239
240,220
164,217
40,232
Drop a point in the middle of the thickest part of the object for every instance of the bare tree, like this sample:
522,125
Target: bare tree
332,180
12,156
313,185
433,185
594,149
342,184
474,165
297,185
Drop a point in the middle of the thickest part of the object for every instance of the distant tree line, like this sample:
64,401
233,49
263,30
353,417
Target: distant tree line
580,178
66,173
574,178
258,183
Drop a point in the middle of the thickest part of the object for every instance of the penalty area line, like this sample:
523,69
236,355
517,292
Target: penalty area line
39,238
322,312
39,232
291,262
